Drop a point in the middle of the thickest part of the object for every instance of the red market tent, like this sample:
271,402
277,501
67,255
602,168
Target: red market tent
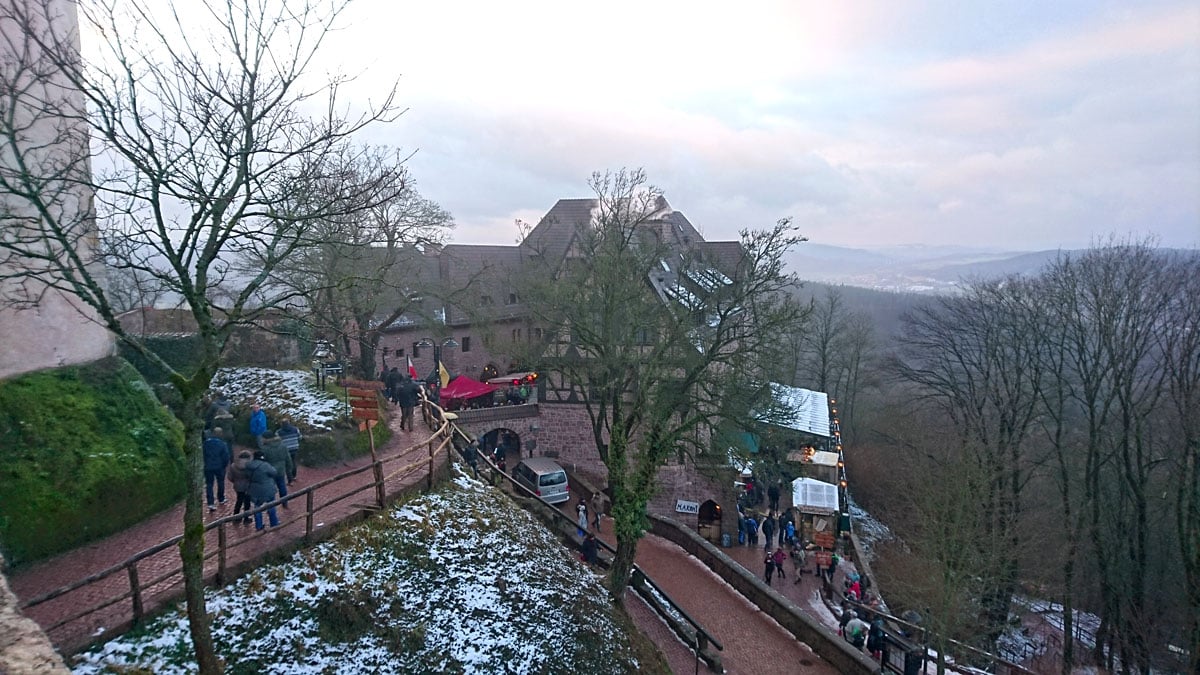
462,388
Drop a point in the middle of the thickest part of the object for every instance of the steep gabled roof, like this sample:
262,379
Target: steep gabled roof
555,232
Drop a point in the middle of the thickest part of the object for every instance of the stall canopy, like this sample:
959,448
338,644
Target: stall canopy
814,496
463,388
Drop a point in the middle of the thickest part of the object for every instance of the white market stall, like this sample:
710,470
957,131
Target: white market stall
817,503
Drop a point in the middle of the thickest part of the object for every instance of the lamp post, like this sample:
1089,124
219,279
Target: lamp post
437,353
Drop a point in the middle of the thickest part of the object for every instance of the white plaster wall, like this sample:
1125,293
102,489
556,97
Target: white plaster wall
59,330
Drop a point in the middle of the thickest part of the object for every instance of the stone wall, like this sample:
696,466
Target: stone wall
24,648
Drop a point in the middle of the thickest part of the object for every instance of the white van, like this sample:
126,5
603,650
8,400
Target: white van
544,477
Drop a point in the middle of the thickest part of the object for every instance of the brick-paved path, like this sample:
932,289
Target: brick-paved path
244,544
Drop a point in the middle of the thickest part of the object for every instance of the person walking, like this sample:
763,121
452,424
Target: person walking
768,528
582,522
773,496
258,424
798,561
241,484
216,459
751,530
391,383
779,556
597,508
768,567
290,436
274,452
407,394
262,488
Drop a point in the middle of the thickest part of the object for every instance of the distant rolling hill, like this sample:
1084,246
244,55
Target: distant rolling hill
913,269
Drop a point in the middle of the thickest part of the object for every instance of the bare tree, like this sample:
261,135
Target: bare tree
653,338
199,116
362,272
973,357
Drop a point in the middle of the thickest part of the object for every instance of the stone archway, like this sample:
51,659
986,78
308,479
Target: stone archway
708,522
490,441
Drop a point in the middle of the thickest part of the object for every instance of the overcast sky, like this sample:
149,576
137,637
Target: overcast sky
1018,125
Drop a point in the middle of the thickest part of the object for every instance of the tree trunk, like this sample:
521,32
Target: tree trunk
191,550
622,568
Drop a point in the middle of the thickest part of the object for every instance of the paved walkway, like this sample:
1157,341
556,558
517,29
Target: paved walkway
753,641
156,573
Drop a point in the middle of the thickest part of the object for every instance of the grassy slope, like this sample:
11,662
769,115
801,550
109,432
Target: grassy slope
84,451
459,580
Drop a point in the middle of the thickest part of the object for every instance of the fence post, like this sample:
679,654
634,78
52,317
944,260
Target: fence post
308,514
379,492
429,476
221,553
135,591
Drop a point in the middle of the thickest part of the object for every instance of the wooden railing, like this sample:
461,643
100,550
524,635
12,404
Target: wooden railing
397,467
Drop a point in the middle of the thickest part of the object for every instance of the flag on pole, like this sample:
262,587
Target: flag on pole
411,371
443,374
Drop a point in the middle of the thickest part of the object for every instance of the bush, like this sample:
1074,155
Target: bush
340,445
85,451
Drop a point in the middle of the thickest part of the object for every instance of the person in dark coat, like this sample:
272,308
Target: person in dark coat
219,410
407,396
590,549
262,488
392,383
768,530
241,483
773,496
275,453
216,459
768,567
290,436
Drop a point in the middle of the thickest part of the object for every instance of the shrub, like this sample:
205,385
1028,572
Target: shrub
84,452
340,445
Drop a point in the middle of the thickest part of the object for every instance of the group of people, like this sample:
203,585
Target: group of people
401,389
783,526
590,547
860,633
258,476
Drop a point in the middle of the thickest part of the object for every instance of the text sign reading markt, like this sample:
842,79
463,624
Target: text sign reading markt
682,506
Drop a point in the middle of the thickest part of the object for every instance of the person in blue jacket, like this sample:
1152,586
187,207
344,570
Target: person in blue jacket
258,424
216,459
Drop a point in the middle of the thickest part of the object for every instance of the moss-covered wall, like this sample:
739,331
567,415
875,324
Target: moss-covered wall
84,452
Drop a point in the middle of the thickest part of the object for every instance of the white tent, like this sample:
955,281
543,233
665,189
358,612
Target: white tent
814,496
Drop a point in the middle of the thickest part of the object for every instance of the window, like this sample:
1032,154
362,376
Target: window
400,352
416,350
485,300
466,343
516,334
512,299
537,333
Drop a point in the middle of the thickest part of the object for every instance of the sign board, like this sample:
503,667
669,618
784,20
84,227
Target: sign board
354,392
823,558
682,506
365,413
823,539
331,368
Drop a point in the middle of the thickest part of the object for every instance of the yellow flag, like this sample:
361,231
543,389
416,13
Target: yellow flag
443,374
